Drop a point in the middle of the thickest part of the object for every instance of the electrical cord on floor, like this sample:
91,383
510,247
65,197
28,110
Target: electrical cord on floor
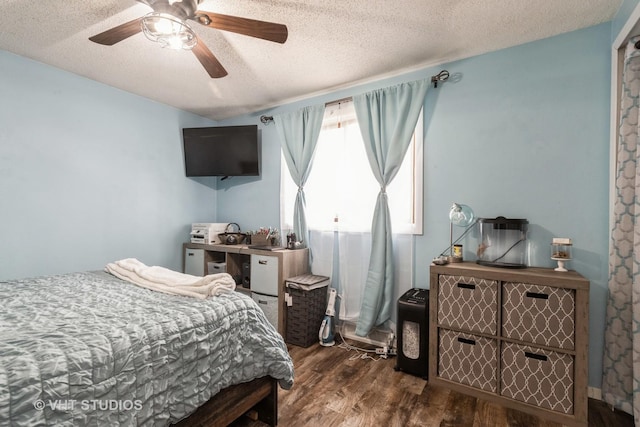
361,353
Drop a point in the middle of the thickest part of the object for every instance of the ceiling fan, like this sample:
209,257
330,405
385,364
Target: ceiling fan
167,26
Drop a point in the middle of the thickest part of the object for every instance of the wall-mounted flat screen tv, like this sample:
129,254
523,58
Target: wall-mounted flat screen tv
221,151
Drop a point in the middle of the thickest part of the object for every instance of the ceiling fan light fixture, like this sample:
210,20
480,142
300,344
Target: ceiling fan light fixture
168,30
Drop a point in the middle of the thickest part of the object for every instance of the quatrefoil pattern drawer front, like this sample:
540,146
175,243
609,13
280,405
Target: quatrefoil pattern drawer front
538,314
468,303
539,377
468,359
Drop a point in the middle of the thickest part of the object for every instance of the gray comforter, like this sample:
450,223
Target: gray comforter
91,349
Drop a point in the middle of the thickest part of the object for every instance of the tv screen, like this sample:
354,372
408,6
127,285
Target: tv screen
221,151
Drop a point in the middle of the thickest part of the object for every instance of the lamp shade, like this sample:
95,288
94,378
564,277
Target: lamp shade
168,30
461,215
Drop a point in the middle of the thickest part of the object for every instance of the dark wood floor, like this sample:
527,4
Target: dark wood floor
336,387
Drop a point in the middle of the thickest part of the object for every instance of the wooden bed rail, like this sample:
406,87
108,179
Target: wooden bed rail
260,395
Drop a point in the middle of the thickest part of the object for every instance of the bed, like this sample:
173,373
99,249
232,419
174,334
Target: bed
91,349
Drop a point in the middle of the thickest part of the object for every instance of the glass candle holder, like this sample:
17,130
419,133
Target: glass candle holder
561,252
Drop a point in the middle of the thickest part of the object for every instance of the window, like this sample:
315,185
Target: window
341,190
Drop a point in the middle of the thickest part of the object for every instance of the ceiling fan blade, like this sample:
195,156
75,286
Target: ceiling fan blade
117,34
249,27
208,60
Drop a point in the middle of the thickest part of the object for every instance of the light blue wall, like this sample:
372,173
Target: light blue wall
626,8
525,134
522,133
90,174
254,202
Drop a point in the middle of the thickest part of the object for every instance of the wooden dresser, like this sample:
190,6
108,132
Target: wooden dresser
516,337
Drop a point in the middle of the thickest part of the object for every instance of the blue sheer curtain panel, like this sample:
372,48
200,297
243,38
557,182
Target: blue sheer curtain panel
387,119
299,132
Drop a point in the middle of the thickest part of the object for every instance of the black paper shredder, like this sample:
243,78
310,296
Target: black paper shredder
413,332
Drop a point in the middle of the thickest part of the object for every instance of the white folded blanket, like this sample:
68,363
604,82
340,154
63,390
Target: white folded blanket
171,282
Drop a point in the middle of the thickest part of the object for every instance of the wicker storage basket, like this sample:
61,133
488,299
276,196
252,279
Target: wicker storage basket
305,309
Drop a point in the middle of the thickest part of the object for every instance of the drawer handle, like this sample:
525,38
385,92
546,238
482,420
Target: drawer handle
535,356
190,254
466,341
262,262
466,286
537,295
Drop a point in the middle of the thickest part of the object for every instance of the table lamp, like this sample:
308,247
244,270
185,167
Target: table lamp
461,216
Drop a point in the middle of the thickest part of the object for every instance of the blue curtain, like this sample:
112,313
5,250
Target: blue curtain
387,119
299,133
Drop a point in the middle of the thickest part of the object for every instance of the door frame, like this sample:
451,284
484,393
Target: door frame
630,29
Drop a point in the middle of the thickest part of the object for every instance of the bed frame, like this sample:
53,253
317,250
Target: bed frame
259,395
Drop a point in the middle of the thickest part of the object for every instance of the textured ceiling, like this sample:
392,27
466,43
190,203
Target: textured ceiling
331,44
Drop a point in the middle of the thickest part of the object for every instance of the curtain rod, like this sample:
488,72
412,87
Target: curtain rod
267,119
442,76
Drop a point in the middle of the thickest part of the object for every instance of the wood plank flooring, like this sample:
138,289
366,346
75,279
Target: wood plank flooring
336,387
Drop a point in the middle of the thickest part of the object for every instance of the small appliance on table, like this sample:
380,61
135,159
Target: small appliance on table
207,232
